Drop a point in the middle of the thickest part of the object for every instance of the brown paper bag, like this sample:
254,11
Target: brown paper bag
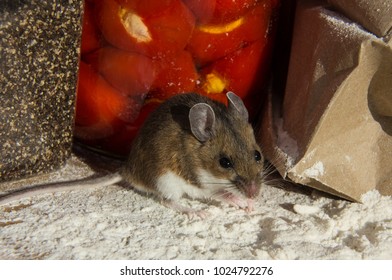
333,129
374,15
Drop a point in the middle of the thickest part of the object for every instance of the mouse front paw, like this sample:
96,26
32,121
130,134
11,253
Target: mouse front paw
237,202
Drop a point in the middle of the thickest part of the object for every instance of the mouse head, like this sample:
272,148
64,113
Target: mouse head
229,156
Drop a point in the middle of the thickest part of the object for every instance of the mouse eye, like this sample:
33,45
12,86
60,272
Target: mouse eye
225,162
257,156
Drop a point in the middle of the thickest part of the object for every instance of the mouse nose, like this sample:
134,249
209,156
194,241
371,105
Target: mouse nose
252,190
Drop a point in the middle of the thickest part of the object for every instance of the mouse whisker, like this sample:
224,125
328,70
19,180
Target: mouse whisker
218,195
279,183
221,193
230,189
269,170
215,183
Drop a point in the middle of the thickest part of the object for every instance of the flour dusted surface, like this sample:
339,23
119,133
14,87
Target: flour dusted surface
117,223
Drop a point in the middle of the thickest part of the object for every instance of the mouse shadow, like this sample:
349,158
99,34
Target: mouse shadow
99,161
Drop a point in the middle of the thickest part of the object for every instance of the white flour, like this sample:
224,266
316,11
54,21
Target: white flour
116,223
316,171
287,144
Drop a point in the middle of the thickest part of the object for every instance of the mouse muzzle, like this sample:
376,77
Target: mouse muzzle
250,188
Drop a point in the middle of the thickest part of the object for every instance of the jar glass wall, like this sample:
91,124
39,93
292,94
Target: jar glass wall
135,54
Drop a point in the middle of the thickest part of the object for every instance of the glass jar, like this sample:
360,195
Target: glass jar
135,54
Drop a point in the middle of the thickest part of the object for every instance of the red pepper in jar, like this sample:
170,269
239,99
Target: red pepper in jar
91,39
129,72
138,53
240,71
151,27
175,74
219,11
211,42
100,107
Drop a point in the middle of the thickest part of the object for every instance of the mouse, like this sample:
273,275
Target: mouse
190,146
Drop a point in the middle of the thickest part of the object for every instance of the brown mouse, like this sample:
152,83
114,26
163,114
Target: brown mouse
189,146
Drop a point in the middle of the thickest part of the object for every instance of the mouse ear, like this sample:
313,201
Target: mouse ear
202,121
236,106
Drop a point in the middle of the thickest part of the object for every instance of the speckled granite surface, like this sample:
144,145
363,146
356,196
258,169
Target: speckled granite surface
39,50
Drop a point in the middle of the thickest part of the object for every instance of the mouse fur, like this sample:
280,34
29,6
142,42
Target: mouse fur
183,143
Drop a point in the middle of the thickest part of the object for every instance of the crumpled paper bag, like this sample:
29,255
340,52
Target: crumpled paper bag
333,129
373,15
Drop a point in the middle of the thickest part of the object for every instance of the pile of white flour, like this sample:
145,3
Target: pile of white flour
118,223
